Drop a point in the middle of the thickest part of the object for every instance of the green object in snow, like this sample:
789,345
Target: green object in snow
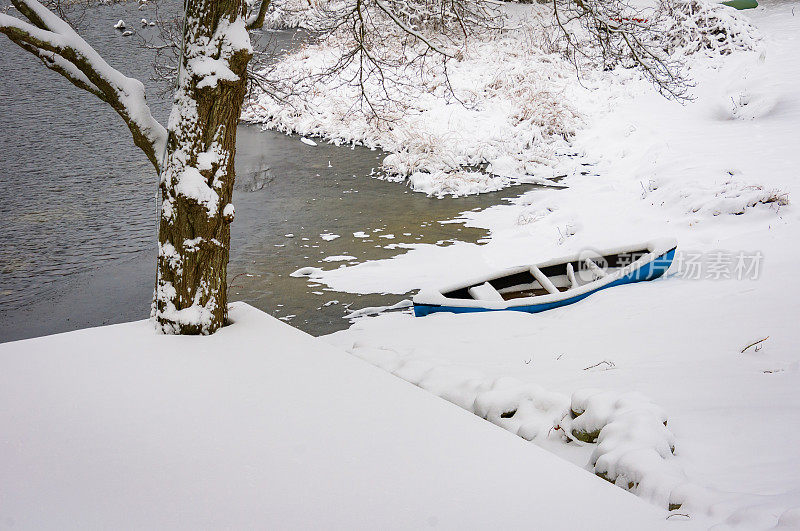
741,4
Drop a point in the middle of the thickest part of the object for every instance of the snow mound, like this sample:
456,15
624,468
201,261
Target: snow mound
634,446
701,26
524,409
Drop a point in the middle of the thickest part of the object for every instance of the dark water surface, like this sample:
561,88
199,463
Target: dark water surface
78,220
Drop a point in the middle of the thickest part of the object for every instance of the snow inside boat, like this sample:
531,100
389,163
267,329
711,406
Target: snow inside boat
551,284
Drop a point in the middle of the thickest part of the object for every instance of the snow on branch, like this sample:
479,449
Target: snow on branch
408,29
62,50
382,45
256,18
612,33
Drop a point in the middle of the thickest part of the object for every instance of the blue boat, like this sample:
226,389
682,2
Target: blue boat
547,285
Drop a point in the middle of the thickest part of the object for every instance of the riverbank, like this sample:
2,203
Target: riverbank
720,175
79,220
506,107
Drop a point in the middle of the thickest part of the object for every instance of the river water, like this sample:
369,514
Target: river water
77,213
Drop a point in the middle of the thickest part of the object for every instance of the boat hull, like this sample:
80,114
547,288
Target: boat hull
649,271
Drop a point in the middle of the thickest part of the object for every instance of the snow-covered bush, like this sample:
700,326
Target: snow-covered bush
289,14
701,26
713,195
495,114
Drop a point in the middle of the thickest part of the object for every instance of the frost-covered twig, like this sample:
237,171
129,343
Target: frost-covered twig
408,29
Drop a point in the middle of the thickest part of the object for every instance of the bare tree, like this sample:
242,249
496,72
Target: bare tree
193,155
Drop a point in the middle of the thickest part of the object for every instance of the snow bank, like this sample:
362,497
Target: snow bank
634,447
502,105
261,425
719,177
504,111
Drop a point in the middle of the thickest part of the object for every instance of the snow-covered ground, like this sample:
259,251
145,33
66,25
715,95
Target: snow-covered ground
688,385
719,174
262,426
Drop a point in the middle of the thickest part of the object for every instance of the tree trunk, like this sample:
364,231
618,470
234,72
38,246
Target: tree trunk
197,177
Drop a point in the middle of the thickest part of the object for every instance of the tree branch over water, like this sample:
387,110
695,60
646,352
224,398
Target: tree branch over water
62,50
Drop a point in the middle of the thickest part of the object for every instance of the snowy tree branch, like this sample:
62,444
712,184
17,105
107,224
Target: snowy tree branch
65,68
256,20
613,33
62,50
411,31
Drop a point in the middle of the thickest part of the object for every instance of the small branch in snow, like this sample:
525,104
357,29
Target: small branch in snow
753,344
566,433
609,365
678,514
231,282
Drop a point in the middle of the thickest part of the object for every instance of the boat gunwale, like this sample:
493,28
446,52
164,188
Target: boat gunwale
655,249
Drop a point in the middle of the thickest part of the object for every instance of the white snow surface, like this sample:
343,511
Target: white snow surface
339,258
263,426
720,175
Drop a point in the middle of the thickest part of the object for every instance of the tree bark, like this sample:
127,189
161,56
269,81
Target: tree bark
197,179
